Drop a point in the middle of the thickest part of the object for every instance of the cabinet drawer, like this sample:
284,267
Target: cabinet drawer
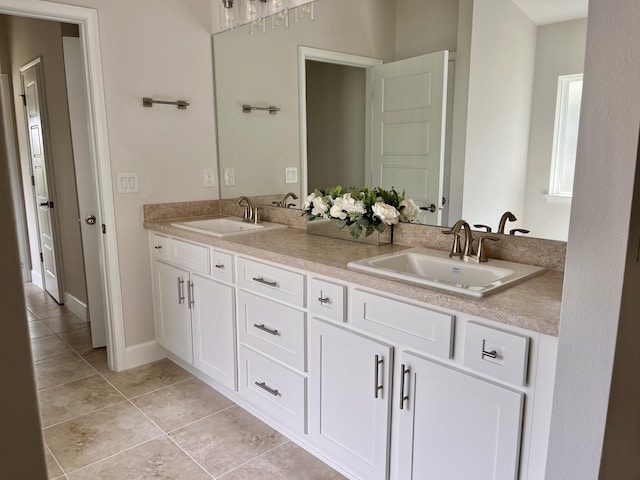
222,266
159,247
500,354
273,389
327,300
272,328
419,327
193,257
274,282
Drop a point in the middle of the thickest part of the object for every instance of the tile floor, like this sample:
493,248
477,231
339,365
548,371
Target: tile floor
155,421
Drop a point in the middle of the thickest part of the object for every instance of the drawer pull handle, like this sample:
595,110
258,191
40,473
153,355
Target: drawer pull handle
403,374
180,291
260,326
376,377
324,300
265,282
265,387
219,266
491,354
158,247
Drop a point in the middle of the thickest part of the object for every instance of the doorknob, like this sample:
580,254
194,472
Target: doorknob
431,208
44,204
90,220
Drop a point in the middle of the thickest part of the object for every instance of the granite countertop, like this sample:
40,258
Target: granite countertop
533,304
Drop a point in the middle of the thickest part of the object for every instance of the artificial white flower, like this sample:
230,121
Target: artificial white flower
336,211
386,213
309,201
320,207
408,210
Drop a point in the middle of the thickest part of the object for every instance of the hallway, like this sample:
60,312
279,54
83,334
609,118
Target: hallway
155,421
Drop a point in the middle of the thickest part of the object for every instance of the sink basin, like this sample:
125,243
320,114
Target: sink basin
226,227
435,268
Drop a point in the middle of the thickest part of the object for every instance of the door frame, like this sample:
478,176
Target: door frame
87,20
328,56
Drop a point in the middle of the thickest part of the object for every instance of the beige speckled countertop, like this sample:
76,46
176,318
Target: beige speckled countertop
533,304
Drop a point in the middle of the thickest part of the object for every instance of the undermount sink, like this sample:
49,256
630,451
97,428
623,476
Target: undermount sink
435,268
226,227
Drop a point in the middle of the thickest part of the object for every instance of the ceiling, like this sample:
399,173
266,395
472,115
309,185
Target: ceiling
542,12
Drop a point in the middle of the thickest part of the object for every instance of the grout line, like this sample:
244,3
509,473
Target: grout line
85,414
200,419
54,459
161,388
258,456
64,383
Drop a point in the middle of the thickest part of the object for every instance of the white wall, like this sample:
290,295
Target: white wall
160,49
498,111
559,51
597,253
264,71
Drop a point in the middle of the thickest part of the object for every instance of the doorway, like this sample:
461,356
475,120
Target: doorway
101,188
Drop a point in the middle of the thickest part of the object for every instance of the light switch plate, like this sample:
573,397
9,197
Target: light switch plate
127,182
229,177
208,178
291,175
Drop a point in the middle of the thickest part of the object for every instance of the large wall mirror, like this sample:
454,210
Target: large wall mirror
505,65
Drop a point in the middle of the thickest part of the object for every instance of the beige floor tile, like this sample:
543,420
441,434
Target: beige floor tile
182,403
47,310
79,339
62,369
33,298
38,329
97,357
64,402
48,347
285,462
147,378
95,436
64,322
31,287
31,317
226,440
159,458
53,469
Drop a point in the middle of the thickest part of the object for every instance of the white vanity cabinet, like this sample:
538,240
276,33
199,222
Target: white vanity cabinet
350,398
452,424
194,311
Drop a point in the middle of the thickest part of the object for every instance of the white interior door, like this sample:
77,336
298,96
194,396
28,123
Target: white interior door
409,115
32,89
85,181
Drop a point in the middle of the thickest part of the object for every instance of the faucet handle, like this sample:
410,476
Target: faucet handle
518,230
486,227
481,255
256,215
456,248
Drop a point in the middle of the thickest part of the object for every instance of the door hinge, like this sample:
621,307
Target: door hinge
24,99
41,258
104,228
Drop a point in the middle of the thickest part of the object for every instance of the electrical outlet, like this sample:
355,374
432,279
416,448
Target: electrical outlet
209,179
229,177
291,175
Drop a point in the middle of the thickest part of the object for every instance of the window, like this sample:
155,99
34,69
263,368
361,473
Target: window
565,139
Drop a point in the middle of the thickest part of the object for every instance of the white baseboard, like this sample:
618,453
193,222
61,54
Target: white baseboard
142,354
75,305
36,279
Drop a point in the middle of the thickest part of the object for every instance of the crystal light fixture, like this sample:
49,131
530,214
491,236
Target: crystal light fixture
276,6
251,12
228,14
305,13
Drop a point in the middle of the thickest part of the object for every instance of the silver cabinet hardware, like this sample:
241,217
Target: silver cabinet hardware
90,219
404,371
158,247
378,361
180,291
491,354
148,102
219,266
192,299
265,282
265,387
324,300
260,326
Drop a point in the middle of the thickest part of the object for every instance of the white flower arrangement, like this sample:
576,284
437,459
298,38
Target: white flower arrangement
362,210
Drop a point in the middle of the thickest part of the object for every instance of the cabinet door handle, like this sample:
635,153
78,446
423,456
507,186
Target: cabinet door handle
219,266
192,298
491,354
180,291
403,373
378,361
260,326
265,282
158,247
272,391
324,300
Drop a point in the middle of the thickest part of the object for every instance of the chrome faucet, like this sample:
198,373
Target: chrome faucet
456,249
248,208
506,216
291,195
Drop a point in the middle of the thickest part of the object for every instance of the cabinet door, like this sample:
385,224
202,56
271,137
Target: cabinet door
454,425
213,329
349,398
173,318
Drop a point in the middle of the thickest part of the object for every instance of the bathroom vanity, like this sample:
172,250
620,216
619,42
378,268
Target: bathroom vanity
379,378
